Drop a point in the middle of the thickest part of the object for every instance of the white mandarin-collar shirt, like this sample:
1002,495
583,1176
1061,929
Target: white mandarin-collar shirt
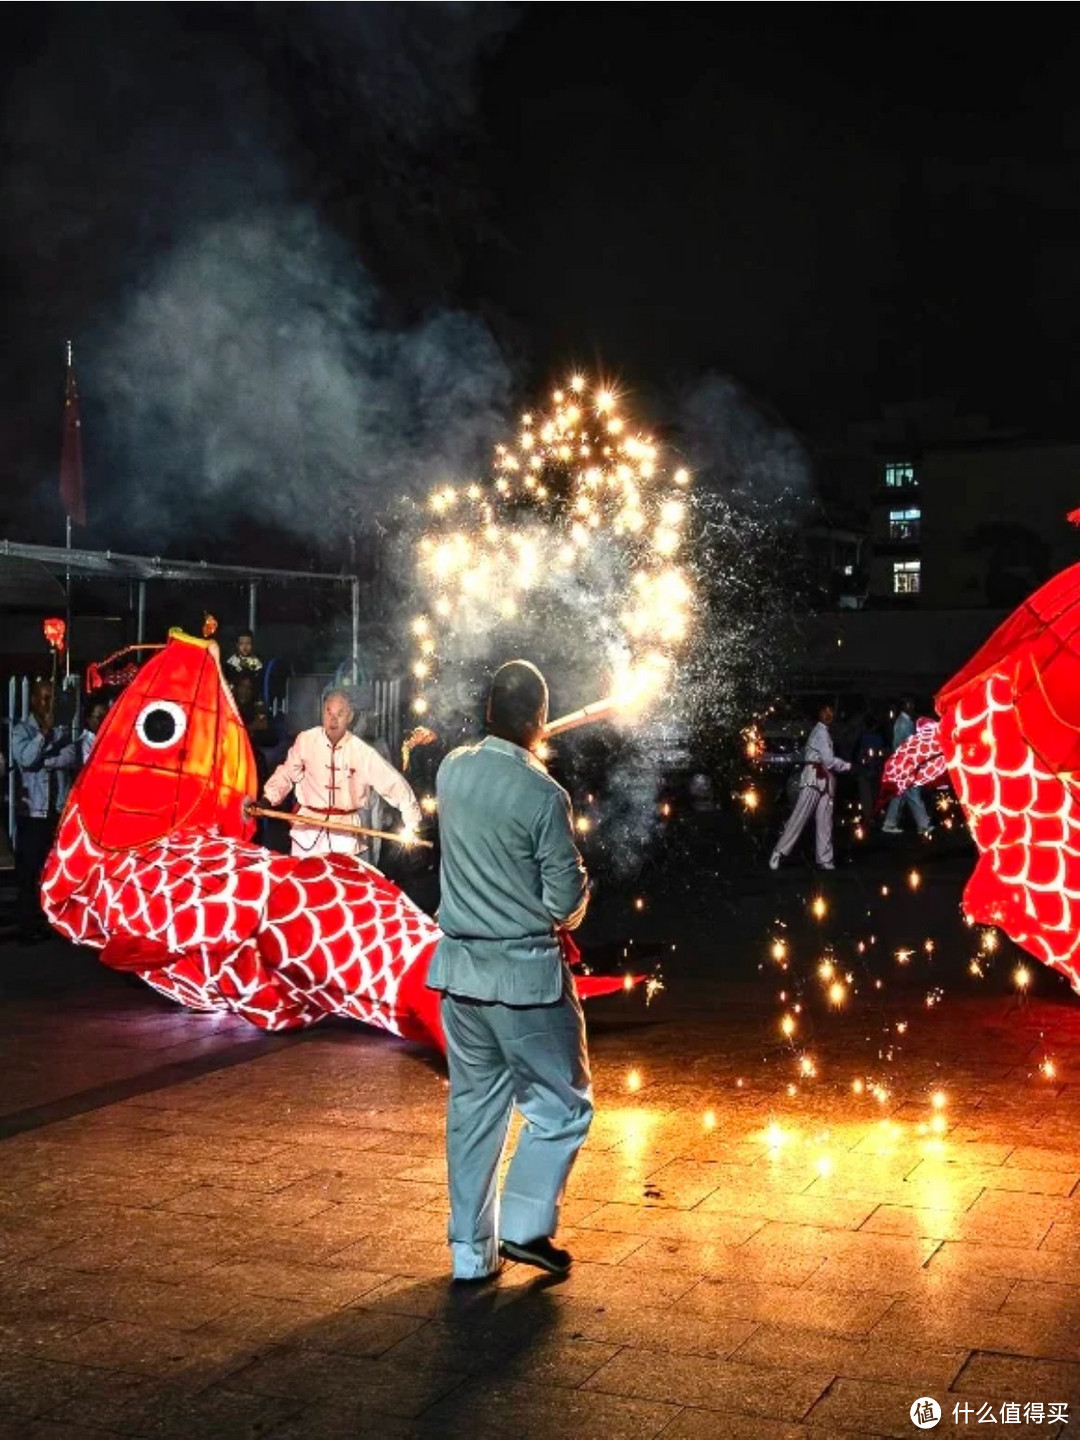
337,780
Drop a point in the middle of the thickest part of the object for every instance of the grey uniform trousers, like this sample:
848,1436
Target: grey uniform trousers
533,1057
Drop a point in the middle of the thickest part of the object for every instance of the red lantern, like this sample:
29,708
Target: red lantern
1010,733
55,633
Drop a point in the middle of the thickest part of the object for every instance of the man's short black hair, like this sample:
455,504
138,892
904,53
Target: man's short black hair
517,702
246,635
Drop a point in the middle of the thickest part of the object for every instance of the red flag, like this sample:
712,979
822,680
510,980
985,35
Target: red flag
71,473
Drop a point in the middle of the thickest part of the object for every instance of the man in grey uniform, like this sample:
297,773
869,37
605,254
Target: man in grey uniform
511,878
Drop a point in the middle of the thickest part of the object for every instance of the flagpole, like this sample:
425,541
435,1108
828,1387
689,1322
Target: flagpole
67,570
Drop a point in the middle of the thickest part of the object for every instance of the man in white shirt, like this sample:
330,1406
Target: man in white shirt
333,773
817,786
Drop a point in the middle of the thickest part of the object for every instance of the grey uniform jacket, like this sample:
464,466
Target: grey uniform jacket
510,873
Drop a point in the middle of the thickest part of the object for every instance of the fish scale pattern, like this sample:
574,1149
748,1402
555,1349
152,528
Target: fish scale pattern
1025,820
218,923
918,761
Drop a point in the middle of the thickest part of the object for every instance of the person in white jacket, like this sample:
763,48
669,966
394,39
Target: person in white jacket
333,773
817,786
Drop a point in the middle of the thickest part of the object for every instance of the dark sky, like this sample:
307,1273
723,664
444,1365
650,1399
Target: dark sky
835,205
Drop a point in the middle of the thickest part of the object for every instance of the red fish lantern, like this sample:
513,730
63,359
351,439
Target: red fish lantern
918,761
1010,734
55,634
153,865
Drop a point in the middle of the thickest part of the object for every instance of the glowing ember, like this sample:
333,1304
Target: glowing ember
818,908
633,1080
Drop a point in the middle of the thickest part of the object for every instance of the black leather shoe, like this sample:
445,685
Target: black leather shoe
541,1253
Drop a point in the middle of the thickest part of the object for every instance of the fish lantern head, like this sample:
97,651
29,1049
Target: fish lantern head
171,754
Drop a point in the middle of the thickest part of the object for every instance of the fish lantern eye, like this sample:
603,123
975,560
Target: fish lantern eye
160,724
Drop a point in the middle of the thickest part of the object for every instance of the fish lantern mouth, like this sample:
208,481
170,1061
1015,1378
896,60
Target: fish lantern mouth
171,754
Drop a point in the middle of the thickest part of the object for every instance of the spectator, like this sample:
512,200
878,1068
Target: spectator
869,761
46,757
903,729
94,716
243,660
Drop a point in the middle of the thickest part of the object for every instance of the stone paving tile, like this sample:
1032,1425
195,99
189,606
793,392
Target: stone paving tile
372,1188
31,1386
785,1347
695,1424
509,1353
730,1262
983,1222
1045,1298
105,1396
264,1320
650,1327
310,1376
147,1350
20,1429
1017,1262
660,1220
171,1411
535,1412
317,1284
1036,1157
996,1177
969,1327
852,1312
873,1407
284,1207
616,1284
603,1247
837,1212
40,1291
716,1384
396,1255
1009,1377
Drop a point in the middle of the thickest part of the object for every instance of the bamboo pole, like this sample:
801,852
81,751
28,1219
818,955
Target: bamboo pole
339,827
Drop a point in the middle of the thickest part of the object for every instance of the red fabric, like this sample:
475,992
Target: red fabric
1010,733
71,465
918,761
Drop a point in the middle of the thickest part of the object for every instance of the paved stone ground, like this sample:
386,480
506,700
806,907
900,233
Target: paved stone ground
206,1232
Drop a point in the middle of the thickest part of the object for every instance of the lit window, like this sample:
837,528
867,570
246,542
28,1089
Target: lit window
905,577
900,474
904,524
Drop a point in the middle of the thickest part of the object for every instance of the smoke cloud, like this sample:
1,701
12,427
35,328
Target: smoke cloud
250,373
251,229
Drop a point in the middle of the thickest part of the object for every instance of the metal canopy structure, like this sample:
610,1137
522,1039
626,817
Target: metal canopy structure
72,564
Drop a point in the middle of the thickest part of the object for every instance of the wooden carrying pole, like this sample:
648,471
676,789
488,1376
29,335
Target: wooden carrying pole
587,715
339,827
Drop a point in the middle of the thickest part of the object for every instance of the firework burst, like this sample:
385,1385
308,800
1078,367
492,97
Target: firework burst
576,544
